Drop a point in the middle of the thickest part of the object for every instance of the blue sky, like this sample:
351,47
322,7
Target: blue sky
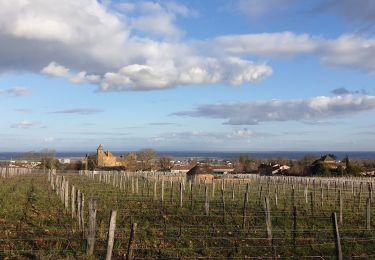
213,75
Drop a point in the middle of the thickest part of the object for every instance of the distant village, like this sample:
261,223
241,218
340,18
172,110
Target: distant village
146,160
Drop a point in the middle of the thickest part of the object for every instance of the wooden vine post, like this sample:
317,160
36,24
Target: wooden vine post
294,227
223,204
340,207
79,210
368,213
245,200
268,219
129,254
181,190
73,201
206,202
111,234
91,227
336,235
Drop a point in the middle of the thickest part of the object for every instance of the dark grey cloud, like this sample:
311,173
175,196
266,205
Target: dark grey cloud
34,54
15,91
344,91
256,9
352,10
304,110
340,91
23,110
80,111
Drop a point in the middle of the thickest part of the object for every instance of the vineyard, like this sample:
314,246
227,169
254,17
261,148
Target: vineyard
124,215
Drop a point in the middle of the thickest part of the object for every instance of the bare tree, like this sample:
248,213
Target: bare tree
245,163
131,161
165,163
145,157
50,163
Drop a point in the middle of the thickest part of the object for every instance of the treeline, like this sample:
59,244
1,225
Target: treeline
305,165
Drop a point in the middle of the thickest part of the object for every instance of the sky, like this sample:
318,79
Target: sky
187,75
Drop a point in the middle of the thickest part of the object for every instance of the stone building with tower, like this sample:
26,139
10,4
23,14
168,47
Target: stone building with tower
104,159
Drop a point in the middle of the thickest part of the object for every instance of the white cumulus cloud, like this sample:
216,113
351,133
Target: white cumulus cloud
56,70
144,49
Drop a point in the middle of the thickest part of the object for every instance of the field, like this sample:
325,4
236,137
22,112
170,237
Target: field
67,216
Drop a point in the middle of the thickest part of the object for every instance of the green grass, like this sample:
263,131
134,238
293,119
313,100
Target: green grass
166,231
33,222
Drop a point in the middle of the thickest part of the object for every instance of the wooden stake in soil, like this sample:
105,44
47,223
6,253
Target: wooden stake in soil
143,187
360,196
66,195
312,202
370,191
191,196
244,208
155,190
82,211
73,200
162,189
91,227
223,203
79,210
336,236
171,194
247,191
276,200
181,194
129,254
294,226
293,197
340,207
268,219
368,213
233,192
111,234
206,202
